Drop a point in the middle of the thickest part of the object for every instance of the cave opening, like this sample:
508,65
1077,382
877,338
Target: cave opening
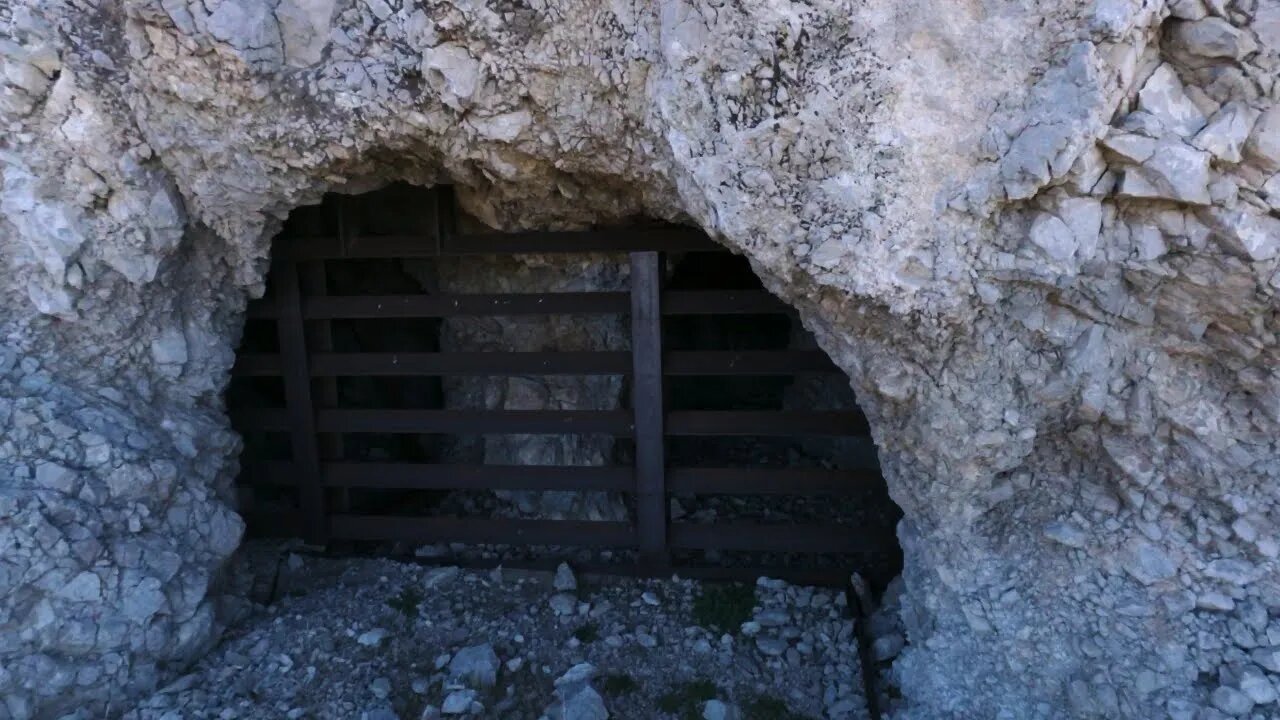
415,384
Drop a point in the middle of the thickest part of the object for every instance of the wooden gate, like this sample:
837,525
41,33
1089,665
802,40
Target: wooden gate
316,475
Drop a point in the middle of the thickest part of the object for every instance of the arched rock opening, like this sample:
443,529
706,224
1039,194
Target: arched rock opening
419,337
1065,341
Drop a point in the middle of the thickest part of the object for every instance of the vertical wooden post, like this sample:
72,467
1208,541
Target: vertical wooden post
297,394
647,400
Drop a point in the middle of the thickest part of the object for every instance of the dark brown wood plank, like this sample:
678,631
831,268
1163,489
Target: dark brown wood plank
769,481
770,537
647,400
722,302
299,410
480,422
418,476
470,363
762,362
415,306
777,423
476,530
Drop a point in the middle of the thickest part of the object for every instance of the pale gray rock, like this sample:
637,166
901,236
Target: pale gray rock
1227,132
1231,701
564,580
1174,171
720,710
1263,147
476,666
1212,37
575,698
1165,99
881,163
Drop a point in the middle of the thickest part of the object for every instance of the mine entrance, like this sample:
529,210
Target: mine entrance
629,398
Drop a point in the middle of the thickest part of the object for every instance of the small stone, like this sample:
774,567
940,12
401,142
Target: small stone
650,598
1066,534
381,688
887,647
1255,684
382,713
750,628
458,702
476,666
372,638
1231,701
718,710
773,618
770,645
1147,563
565,580
1236,572
646,640
1268,658
1215,601
563,603
437,578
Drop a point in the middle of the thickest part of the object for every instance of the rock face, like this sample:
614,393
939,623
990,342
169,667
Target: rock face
1040,237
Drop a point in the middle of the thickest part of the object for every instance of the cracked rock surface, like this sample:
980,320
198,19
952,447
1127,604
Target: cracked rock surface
1041,238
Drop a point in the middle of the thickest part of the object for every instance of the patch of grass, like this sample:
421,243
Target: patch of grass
619,684
724,607
765,707
587,633
407,602
686,700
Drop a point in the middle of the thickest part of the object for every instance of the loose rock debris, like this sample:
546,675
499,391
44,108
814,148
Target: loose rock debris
375,639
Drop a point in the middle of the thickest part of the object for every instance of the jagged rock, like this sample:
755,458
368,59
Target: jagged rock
1212,37
476,666
575,698
1263,147
564,580
1231,701
1174,171
1164,98
1227,132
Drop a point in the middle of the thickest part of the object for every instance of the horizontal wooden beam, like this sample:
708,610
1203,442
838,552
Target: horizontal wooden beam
476,422
770,481
364,307
722,302
674,302
747,362
771,423
471,363
430,476
771,537
742,363
477,530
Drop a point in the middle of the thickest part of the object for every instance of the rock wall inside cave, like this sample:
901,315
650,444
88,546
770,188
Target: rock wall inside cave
1040,237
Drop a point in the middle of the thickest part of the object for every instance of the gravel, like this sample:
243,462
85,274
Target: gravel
374,639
